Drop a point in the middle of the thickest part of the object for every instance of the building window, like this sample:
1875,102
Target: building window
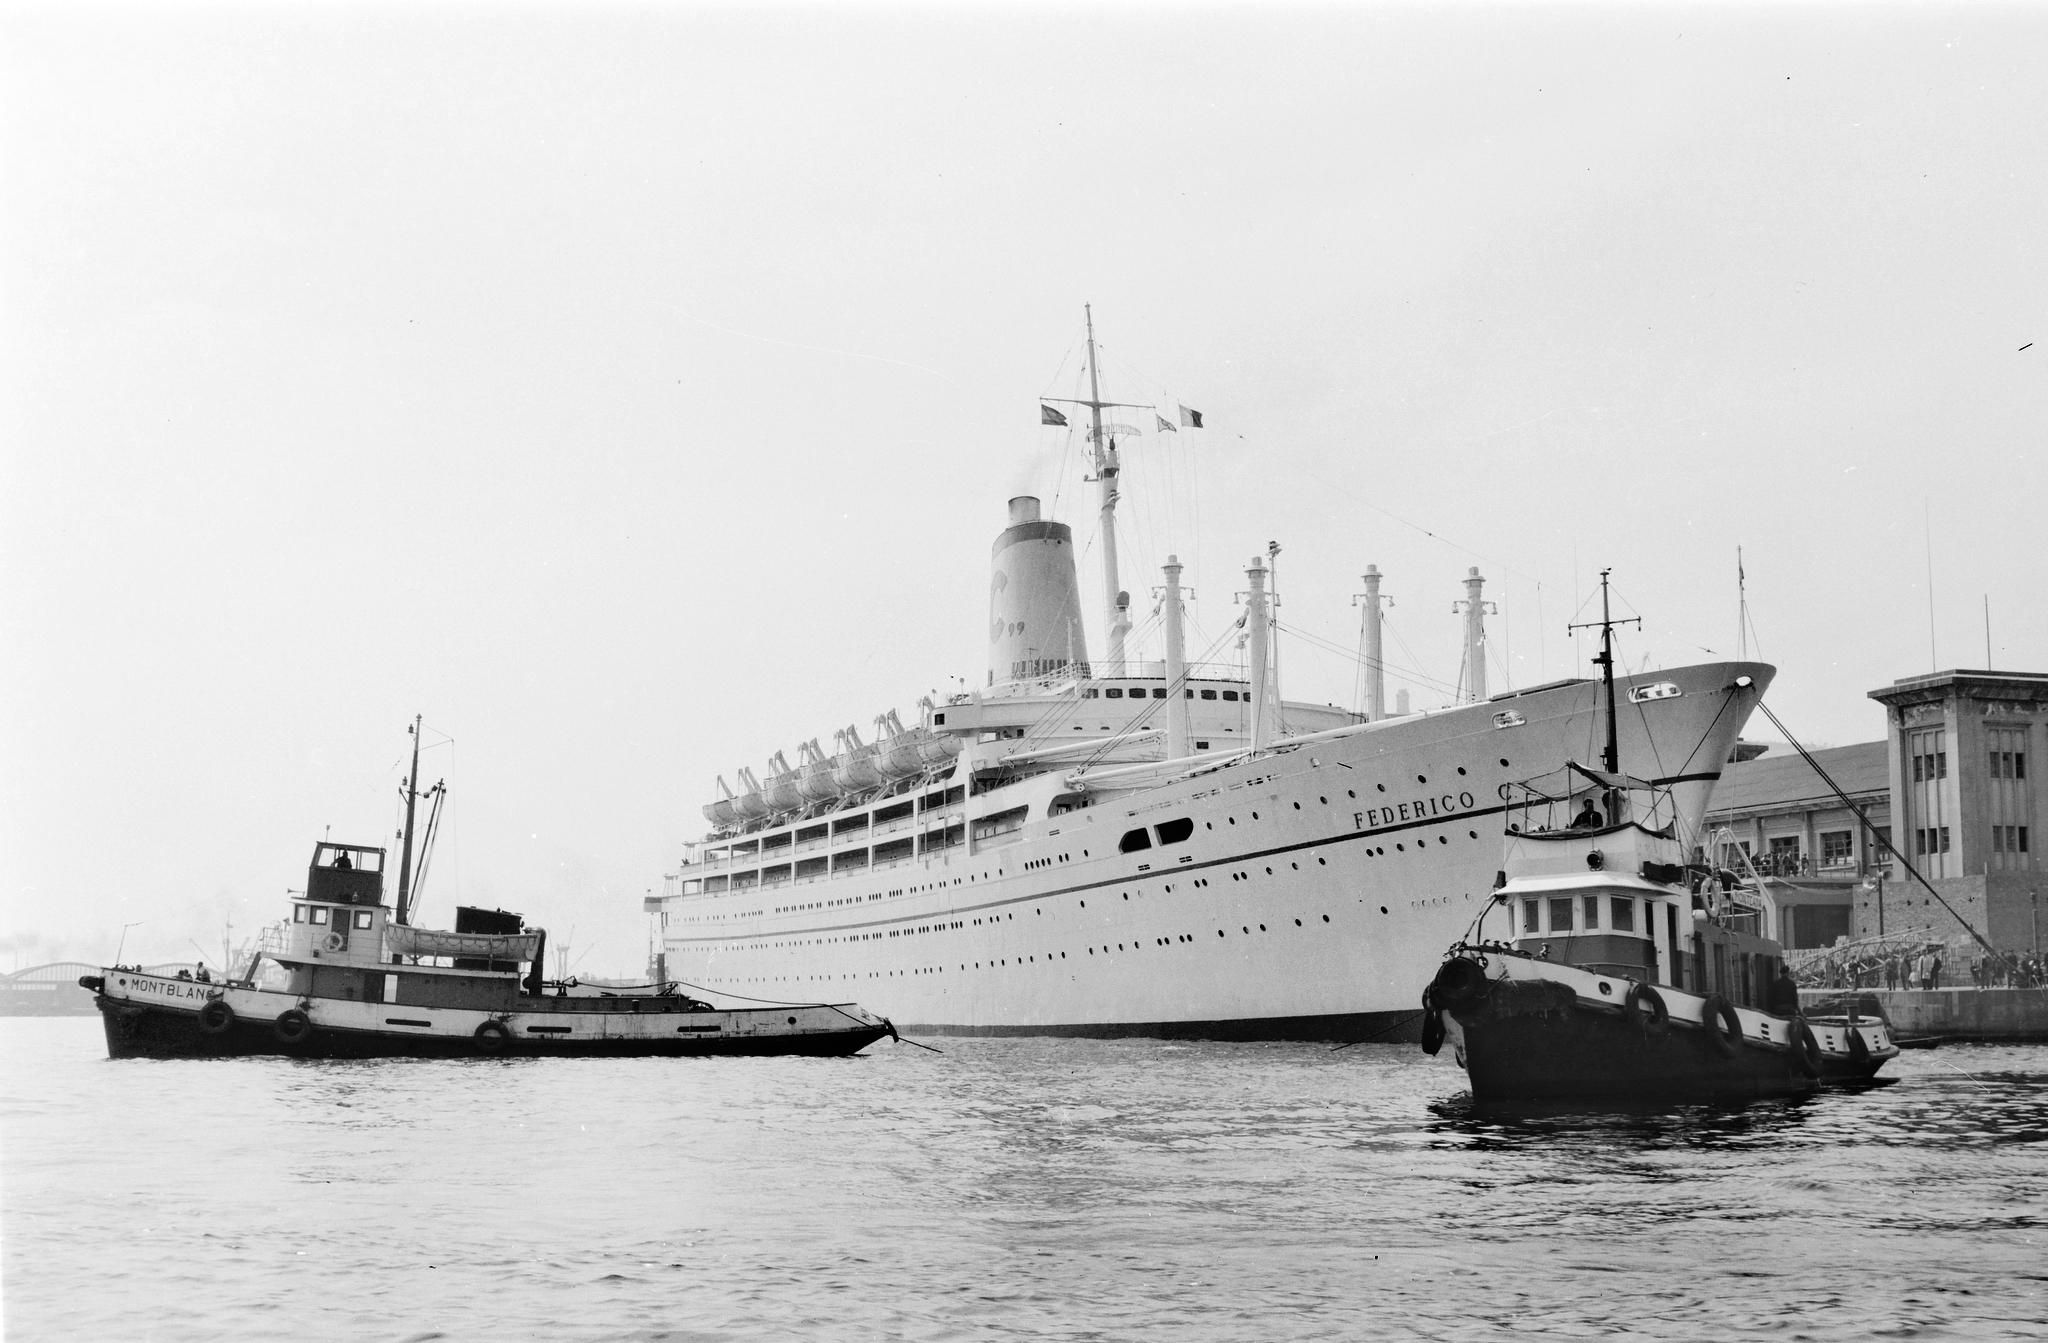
1944,839
1835,849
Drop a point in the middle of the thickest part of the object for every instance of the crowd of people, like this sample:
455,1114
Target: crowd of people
1927,969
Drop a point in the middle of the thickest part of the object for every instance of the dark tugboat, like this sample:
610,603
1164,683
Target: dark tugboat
1629,972
358,981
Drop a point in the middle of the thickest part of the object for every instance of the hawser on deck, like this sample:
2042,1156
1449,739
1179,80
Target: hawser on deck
1157,848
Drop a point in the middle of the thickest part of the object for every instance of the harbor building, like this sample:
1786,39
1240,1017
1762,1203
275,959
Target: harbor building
1949,786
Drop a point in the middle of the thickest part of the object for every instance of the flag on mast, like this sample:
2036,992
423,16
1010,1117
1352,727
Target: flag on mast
1164,426
1191,418
1047,415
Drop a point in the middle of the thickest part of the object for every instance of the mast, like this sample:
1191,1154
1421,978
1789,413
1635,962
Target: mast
1177,727
1610,758
1375,666
412,796
1116,604
1255,652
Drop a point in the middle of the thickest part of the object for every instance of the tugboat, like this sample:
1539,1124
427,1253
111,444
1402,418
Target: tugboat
354,979
1629,973
359,983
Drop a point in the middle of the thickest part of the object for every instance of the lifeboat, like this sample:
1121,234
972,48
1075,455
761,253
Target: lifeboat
751,805
934,749
896,756
781,789
723,812
854,765
815,777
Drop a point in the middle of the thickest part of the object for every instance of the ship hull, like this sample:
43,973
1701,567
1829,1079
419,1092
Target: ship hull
150,1017
1573,1055
1319,884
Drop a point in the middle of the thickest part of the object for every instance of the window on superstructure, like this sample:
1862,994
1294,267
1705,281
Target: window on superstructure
1532,916
319,915
1090,693
1134,840
1592,911
1114,692
298,913
1208,694
1621,914
1159,693
1176,831
1230,694
1561,914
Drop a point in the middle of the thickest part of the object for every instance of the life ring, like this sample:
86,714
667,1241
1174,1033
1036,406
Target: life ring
1805,1050
1645,1007
292,1027
1459,983
492,1036
216,1017
1859,1051
333,942
1723,1027
1432,1031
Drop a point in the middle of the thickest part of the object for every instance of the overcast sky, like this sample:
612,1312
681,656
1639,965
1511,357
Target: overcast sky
635,391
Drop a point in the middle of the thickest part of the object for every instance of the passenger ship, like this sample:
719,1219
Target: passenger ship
1125,848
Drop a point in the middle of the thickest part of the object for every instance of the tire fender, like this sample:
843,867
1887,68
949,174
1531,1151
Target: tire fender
1722,1027
1645,1007
216,1017
492,1036
292,1027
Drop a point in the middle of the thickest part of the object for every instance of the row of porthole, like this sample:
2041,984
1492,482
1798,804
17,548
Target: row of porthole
1420,845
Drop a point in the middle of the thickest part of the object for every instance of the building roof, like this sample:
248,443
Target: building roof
1786,782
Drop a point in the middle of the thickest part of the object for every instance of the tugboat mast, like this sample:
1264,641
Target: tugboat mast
1610,758
412,797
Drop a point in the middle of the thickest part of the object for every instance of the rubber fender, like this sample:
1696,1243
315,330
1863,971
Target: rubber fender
1645,1007
292,1027
216,1017
1805,1050
1432,1031
1459,983
492,1037
1723,1027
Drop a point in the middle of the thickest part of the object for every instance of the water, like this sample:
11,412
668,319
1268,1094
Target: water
1011,1189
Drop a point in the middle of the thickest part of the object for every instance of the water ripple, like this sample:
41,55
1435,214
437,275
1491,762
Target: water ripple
1021,1189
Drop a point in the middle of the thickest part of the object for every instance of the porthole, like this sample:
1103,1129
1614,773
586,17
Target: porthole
1297,923
1399,848
1297,806
1503,762
1255,816
1461,769
1421,779
1383,909
1326,918
1382,787
1269,871
1262,927
1473,833
1350,792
